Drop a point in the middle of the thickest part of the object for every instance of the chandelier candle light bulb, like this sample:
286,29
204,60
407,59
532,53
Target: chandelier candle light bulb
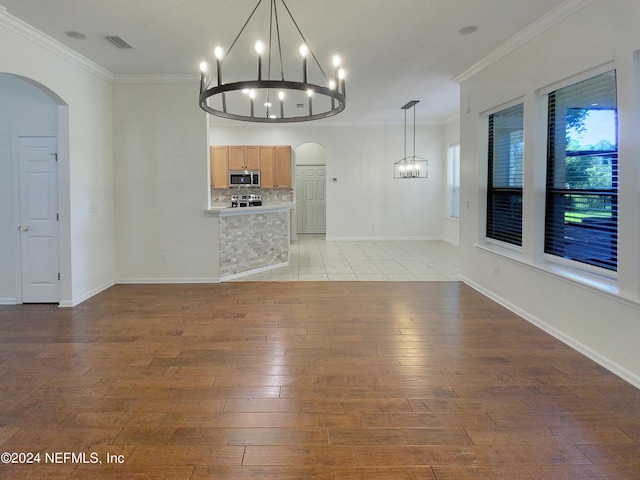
259,50
252,96
304,51
218,52
281,97
310,95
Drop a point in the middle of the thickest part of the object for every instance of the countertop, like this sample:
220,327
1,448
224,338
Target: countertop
227,211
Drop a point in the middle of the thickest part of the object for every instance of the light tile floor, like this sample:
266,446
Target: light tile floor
314,258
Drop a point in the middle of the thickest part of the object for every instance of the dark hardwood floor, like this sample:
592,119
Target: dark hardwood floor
325,380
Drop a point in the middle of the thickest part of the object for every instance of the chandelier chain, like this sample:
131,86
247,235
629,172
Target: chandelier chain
235,40
305,40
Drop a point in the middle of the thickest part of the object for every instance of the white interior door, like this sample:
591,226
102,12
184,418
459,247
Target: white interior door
39,220
311,196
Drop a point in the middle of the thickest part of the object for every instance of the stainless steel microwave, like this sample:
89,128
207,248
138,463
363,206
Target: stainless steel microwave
244,177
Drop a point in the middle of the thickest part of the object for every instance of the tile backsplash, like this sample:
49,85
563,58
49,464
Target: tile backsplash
269,195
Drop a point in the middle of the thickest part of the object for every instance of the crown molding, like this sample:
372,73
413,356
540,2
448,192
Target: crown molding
36,36
547,21
150,79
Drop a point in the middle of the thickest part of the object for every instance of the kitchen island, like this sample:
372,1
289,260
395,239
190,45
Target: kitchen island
252,239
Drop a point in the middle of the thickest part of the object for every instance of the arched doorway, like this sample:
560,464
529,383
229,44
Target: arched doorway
311,184
33,145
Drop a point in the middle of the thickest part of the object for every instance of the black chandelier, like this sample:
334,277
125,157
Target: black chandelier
270,100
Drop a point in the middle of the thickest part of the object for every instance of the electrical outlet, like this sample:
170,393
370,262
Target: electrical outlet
496,270
163,257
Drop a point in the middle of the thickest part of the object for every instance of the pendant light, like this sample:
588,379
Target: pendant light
410,167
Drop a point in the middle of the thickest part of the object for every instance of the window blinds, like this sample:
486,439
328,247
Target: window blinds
581,220
504,186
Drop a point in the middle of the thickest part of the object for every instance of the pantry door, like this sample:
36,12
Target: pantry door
311,198
38,229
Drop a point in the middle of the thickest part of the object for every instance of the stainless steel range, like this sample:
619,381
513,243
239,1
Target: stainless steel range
246,200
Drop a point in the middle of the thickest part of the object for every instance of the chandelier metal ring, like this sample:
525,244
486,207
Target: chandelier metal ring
338,99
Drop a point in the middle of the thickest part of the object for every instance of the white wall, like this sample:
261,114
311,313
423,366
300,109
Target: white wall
602,319
85,153
365,201
161,185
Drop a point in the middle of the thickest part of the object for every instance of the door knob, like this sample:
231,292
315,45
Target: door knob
23,228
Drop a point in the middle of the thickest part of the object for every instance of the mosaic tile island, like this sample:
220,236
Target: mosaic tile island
252,239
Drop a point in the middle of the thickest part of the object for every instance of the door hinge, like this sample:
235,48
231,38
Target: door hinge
57,217
55,155
58,275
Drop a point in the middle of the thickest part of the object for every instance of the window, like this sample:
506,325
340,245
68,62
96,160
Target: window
504,186
453,181
582,173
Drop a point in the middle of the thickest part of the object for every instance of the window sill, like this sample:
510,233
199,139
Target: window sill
501,248
591,278
601,280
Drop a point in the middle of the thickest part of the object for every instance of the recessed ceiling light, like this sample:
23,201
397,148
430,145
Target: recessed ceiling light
468,30
76,35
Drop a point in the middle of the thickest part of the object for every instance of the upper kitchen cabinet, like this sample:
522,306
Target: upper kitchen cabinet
219,167
283,167
267,167
275,167
244,158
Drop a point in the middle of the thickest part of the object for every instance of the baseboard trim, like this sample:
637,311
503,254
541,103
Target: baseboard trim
86,296
253,272
152,280
8,301
375,239
601,360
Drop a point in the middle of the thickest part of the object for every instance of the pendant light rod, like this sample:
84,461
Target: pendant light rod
406,107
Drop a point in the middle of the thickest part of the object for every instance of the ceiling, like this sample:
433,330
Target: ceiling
393,51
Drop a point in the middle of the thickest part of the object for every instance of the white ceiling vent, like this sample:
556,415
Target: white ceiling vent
118,42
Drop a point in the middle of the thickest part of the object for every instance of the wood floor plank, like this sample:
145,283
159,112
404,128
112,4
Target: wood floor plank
179,455
326,455
347,381
470,455
298,472
398,436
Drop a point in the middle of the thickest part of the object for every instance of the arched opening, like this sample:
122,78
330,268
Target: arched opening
34,192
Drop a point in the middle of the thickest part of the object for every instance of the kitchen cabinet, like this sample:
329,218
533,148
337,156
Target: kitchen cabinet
219,167
244,158
275,167
283,167
267,167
